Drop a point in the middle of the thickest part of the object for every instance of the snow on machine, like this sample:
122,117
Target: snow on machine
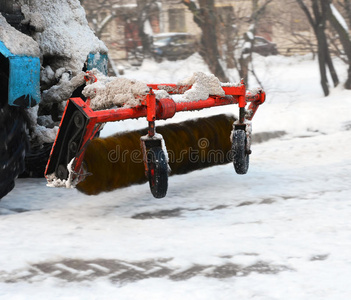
45,47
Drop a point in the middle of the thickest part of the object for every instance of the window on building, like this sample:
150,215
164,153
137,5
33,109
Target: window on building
176,20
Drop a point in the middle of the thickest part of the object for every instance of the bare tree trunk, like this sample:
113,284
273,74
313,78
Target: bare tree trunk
324,5
143,13
322,63
348,81
205,18
229,36
330,65
254,5
318,24
246,57
344,39
226,33
92,15
100,27
347,5
319,28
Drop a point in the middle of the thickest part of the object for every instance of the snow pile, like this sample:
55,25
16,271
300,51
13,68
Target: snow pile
53,181
40,134
62,32
62,38
65,41
203,86
64,88
108,92
17,42
43,134
161,94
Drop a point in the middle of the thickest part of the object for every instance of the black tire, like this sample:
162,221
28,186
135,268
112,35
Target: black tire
240,155
13,146
158,58
157,172
35,161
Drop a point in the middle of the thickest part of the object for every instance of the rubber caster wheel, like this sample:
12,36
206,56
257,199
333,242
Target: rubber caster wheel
157,172
239,152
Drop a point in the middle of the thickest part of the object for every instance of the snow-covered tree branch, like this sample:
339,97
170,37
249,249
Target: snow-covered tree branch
204,16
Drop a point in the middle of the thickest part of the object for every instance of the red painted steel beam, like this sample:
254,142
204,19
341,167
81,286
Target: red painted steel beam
210,102
118,114
181,89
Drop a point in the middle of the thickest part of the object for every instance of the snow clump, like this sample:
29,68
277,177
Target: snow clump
53,181
64,88
107,92
160,94
39,133
203,86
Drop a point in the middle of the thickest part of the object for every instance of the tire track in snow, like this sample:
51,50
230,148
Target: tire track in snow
118,271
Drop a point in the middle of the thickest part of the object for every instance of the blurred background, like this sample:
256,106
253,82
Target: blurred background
225,33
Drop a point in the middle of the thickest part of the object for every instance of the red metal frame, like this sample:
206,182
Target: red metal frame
154,109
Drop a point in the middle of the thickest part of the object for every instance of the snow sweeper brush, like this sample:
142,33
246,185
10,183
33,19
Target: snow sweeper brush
133,157
117,161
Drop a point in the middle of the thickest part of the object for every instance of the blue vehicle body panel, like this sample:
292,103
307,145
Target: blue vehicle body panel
98,61
24,81
24,78
4,51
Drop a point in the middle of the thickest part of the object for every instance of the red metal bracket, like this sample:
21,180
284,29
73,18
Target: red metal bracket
73,137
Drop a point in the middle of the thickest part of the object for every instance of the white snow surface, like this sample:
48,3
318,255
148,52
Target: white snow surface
282,231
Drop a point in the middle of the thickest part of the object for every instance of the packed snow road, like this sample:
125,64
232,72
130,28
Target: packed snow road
282,231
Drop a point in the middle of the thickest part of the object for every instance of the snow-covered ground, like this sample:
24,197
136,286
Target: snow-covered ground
282,231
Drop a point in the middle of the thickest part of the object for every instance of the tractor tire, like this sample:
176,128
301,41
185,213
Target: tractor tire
36,160
13,146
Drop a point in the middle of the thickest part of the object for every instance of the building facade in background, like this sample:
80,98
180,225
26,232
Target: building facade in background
117,23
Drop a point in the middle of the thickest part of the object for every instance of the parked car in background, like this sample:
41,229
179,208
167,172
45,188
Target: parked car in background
173,45
264,47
